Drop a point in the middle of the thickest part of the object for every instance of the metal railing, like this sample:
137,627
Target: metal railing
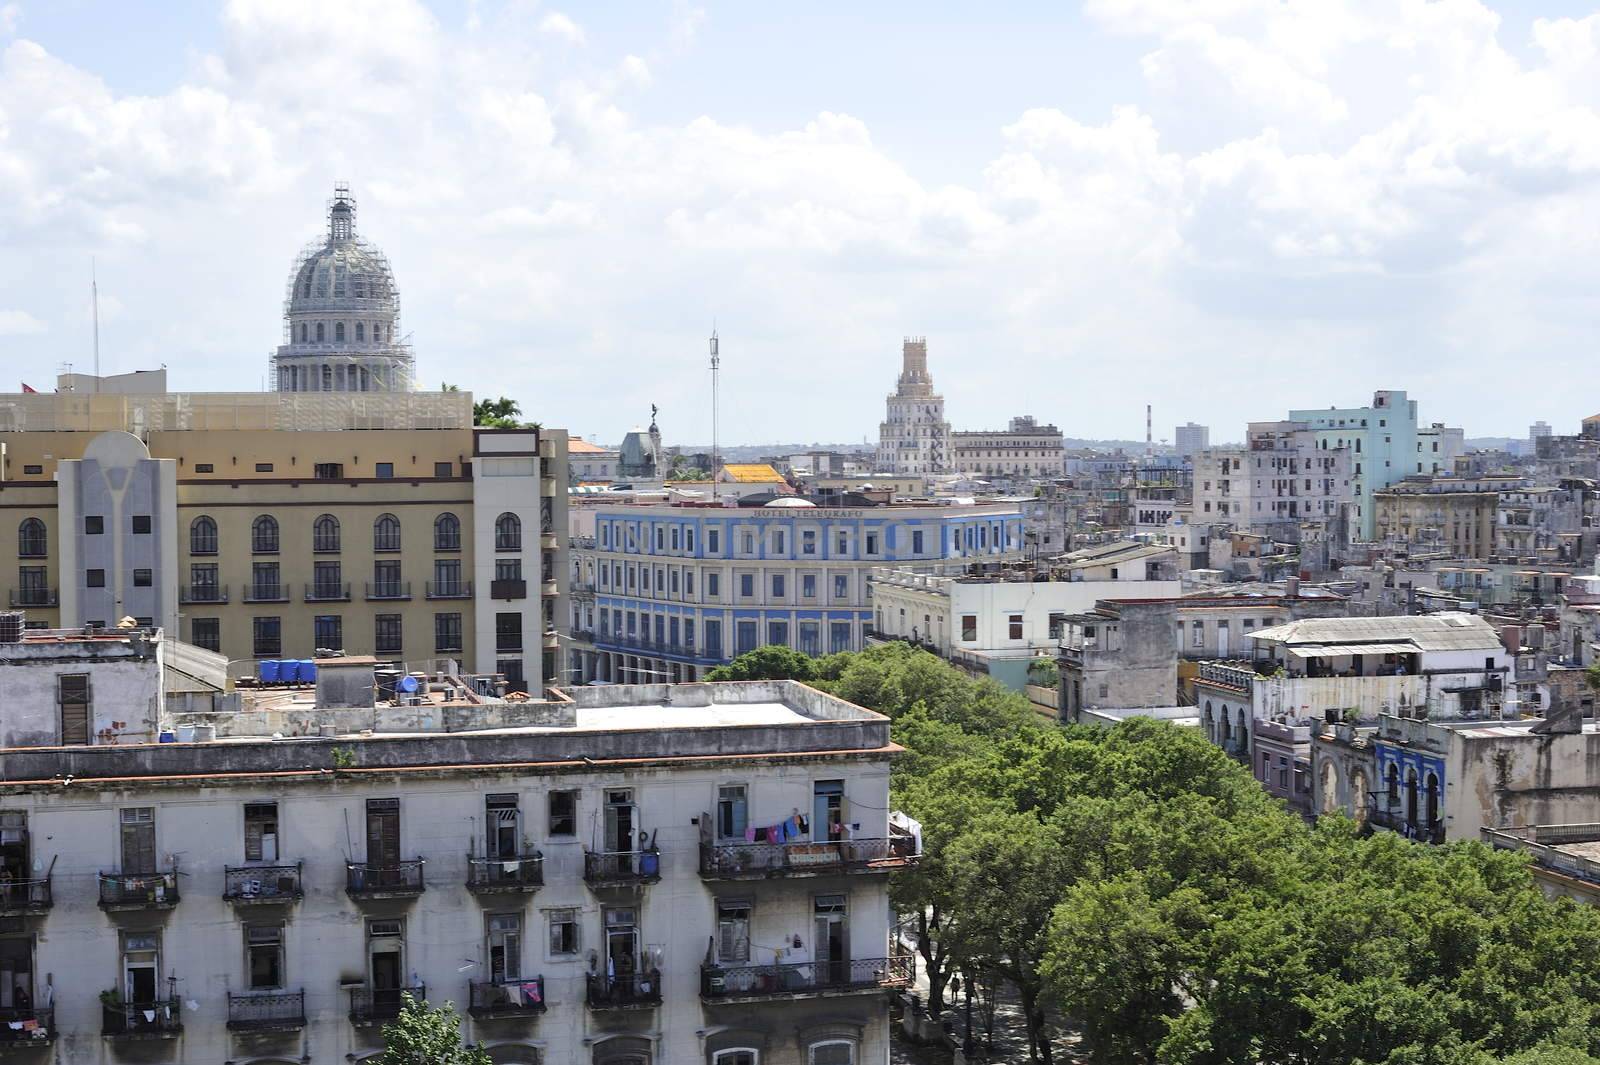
1396,821
328,592
457,589
139,889
508,588
838,974
519,871
24,896
388,589
160,1017
643,865
35,597
203,593
364,878
369,1004
506,997
624,991
261,883
267,1009
33,547
763,859
27,1024
266,593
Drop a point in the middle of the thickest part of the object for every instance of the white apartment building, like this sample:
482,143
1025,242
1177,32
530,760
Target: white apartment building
1025,449
666,592
914,437
695,873
1283,477
998,620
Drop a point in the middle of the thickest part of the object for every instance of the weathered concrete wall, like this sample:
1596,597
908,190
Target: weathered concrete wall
125,692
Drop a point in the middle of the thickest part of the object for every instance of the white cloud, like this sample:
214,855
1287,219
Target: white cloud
1377,187
10,17
19,323
558,25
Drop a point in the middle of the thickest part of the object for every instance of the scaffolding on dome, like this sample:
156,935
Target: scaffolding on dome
343,298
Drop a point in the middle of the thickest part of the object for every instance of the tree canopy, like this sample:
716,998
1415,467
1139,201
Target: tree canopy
427,1035
1139,881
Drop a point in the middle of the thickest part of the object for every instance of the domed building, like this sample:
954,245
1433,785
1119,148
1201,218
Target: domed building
341,316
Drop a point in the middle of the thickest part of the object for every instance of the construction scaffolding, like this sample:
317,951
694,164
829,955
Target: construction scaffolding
341,315
77,412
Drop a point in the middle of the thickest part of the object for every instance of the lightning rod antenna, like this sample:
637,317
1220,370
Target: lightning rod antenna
716,451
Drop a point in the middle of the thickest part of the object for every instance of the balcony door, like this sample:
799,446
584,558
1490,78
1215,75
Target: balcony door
833,940
505,947
383,840
622,944
17,990
621,820
827,820
386,964
139,841
141,968
501,820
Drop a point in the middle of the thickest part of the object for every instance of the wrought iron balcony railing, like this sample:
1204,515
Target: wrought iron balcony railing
262,1011
621,867
261,884
741,860
374,1005
506,998
373,880
139,891
19,897
624,992
521,872
726,982
159,1019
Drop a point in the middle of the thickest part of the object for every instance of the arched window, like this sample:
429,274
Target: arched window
447,533
202,536
264,535
31,539
508,532
338,332
361,332
320,333
386,533
325,533
832,1052
736,1056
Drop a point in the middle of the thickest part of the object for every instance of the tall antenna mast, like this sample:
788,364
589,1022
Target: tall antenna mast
1149,436
716,451
94,300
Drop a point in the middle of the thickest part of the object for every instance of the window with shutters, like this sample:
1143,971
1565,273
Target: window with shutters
733,931
564,939
74,695
139,840
505,946
261,832
503,823
563,813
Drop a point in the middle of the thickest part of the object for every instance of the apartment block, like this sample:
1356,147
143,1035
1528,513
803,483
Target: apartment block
636,874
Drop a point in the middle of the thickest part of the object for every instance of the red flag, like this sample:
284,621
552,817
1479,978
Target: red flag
28,388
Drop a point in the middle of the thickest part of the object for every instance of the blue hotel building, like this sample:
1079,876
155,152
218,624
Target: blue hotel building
664,592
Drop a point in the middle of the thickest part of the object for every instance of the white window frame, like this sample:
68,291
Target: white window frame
811,1051
726,1054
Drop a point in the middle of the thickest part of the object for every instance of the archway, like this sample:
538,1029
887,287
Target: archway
1411,799
1431,802
1358,796
1329,787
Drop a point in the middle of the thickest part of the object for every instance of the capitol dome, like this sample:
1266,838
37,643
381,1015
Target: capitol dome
341,315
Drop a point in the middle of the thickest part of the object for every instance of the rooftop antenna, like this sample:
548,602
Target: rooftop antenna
716,451
94,301
1149,437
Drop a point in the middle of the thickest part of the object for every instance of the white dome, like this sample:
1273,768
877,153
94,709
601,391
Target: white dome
788,502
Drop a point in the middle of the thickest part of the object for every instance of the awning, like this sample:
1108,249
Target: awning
1341,649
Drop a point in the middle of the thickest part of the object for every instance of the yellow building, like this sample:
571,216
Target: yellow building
281,525
1444,514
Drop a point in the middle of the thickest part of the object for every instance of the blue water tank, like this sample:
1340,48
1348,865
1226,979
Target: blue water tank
271,670
407,684
650,864
307,671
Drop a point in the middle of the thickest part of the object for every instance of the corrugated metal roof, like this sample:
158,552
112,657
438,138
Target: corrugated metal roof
1448,631
1318,650
751,473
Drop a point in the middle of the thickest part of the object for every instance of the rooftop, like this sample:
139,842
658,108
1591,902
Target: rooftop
1448,631
750,473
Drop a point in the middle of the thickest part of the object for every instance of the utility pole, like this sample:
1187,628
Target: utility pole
716,452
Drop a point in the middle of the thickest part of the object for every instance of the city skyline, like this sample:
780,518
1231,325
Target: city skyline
571,199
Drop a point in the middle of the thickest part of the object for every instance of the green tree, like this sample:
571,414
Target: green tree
498,413
427,1035
772,662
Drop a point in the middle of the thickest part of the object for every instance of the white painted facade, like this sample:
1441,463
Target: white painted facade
117,674
296,943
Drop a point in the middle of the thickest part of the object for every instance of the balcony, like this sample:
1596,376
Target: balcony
449,589
373,881
508,589
388,590
18,898
328,592
25,1027
1393,818
35,597
506,999
760,861
370,1006
508,643
267,1011
262,885
132,1021
635,991
523,873
266,593
138,891
621,868
203,593
761,983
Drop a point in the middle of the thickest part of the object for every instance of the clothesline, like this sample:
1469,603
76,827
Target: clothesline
784,831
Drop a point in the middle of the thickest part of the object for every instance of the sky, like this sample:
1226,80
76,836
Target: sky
1222,208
